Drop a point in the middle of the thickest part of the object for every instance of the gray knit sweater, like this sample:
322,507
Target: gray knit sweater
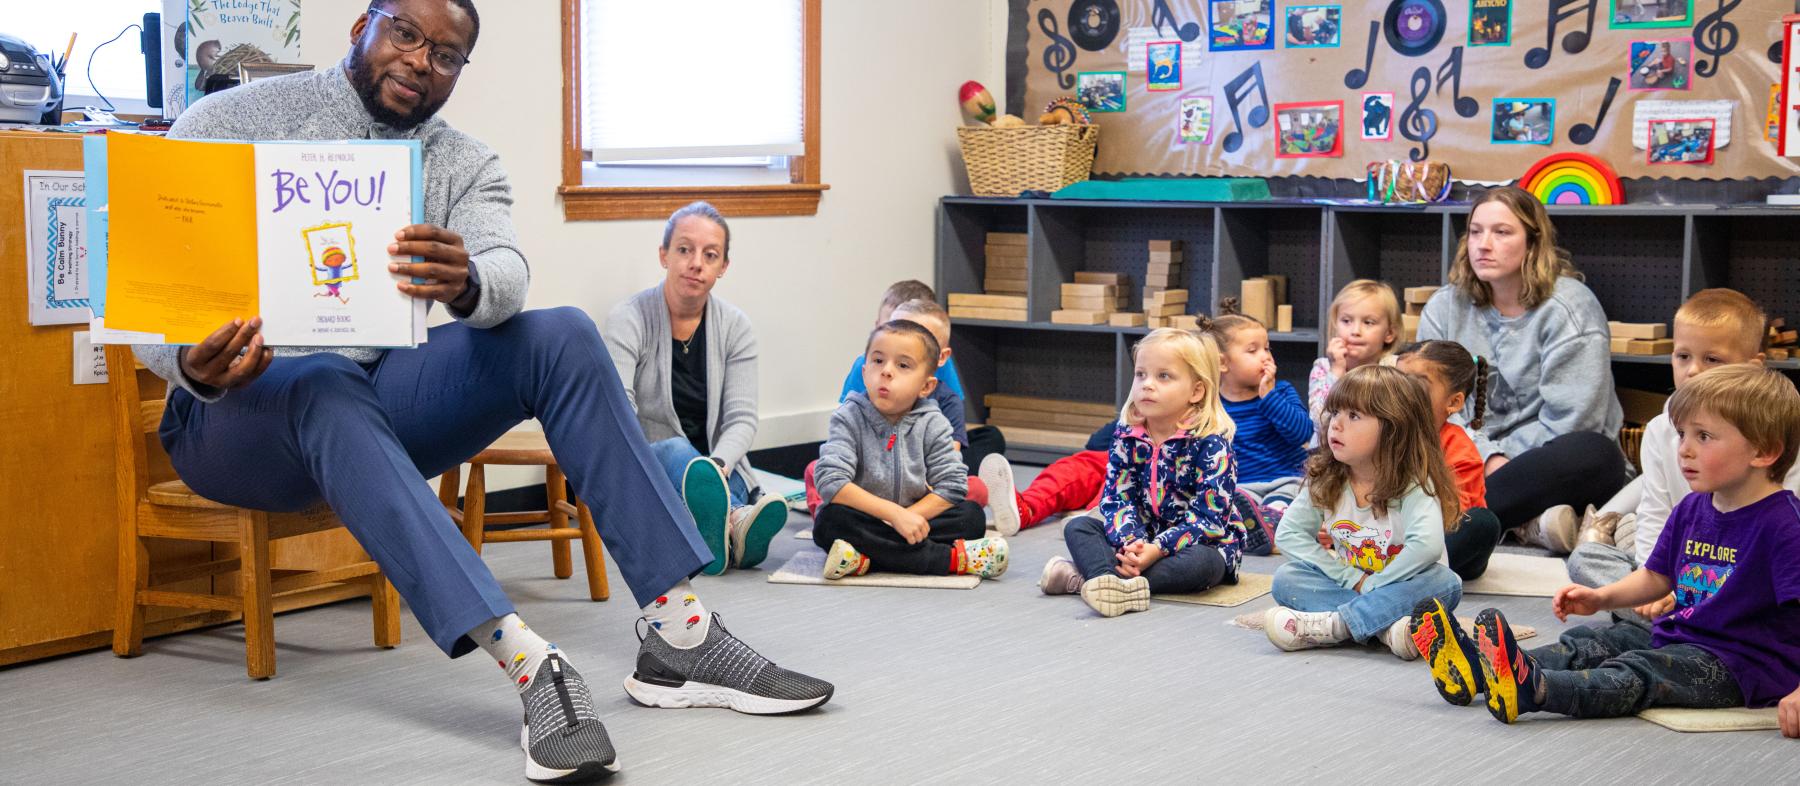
1552,366
921,458
465,189
638,337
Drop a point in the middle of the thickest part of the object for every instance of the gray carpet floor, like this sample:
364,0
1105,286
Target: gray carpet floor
996,684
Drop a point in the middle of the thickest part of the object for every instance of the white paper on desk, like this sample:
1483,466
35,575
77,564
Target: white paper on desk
56,282
1643,112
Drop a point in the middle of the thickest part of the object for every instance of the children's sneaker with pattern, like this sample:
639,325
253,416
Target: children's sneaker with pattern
1112,596
1449,651
1060,577
997,473
752,527
718,672
844,560
562,736
1512,677
1292,630
984,557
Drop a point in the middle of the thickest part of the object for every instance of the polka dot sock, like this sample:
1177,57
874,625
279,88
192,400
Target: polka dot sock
679,617
514,646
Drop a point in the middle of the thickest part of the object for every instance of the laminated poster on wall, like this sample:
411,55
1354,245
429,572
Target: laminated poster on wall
56,280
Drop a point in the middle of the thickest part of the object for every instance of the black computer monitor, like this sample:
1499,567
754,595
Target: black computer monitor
150,43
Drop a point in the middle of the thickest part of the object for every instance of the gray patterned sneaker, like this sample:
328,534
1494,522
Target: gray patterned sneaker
720,672
563,739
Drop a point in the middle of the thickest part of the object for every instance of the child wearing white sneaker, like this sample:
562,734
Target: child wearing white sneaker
1384,488
890,477
1165,522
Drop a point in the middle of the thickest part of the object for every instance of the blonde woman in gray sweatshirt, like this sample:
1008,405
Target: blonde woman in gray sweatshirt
1550,435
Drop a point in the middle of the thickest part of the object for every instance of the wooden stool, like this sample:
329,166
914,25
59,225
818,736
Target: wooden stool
529,449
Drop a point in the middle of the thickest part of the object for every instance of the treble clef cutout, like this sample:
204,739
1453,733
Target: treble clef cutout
1574,42
1059,56
1583,133
1160,15
1453,66
1236,91
1417,123
1716,37
1355,78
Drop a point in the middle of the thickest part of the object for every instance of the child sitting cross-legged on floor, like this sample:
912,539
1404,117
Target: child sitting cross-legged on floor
1731,554
1385,495
1166,521
890,476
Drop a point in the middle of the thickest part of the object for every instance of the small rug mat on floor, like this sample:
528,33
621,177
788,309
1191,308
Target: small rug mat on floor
1250,586
1728,719
1520,574
806,565
1253,620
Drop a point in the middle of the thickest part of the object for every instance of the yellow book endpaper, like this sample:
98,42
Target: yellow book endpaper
182,258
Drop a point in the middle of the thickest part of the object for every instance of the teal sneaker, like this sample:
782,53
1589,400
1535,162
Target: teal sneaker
703,489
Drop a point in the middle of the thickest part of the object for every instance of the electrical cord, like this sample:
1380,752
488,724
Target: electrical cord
90,64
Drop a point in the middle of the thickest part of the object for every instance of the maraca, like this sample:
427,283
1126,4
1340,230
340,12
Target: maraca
977,103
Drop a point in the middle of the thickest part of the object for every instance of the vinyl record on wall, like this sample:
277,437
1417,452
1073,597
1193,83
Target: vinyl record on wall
1414,27
1093,23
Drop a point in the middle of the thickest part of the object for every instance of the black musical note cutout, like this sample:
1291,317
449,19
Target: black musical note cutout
1583,133
1160,14
1715,37
1465,106
1775,53
1355,78
1236,91
1417,123
1059,56
1574,42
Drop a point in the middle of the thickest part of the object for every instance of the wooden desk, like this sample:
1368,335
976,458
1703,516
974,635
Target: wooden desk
58,527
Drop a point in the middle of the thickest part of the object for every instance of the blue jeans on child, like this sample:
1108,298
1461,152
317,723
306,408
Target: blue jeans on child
674,454
1302,587
365,438
1611,672
1195,568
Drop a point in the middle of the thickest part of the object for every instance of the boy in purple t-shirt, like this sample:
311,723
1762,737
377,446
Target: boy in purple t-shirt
1731,555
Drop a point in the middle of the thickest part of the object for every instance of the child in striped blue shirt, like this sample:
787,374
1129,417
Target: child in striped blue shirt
1273,426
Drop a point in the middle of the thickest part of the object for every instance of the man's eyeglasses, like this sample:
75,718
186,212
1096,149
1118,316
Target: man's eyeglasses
406,37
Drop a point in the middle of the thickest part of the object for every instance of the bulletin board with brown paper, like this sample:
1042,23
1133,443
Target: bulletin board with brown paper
1318,88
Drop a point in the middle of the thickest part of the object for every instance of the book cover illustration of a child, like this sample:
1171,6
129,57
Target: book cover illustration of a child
331,253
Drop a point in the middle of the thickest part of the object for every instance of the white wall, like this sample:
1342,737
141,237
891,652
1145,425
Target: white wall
889,78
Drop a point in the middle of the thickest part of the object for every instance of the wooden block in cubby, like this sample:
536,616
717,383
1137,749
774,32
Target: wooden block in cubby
1280,284
1090,290
1185,322
1066,316
1156,322
1165,258
1003,416
1165,245
1258,300
1284,318
1649,346
1126,319
1418,295
1163,297
1169,310
1409,328
1007,239
978,312
1093,303
987,301
1037,404
1005,263
1638,330
1620,345
1120,280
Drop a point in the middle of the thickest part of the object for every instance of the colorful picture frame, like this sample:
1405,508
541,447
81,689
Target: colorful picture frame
1309,129
1684,141
1162,66
1101,91
1238,25
333,241
1377,116
1664,64
1313,26
1628,14
1194,123
1523,121
1490,23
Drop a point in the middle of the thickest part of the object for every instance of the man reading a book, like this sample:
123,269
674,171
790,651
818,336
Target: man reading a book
282,428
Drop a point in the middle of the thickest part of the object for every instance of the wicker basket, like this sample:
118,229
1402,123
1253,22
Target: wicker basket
1005,161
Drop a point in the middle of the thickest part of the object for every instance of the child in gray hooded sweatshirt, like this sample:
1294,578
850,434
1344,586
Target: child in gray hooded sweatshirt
891,479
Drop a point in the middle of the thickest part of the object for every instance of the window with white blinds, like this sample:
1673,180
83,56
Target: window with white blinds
691,79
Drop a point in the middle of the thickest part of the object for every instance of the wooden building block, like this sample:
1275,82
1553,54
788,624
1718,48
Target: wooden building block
987,301
1006,238
1644,346
1281,288
1409,328
1090,303
1126,319
1090,290
1415,309
1778,353
1156,322
1185,322
1258,300
976,312
1066,316
1165,258
1165,245
1418,294
1004,288
1284,318
1641,406
1120,280
1620,345
1049,438
1638,330
1163,297
1165,311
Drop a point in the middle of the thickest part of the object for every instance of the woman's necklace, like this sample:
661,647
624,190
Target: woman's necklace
689,342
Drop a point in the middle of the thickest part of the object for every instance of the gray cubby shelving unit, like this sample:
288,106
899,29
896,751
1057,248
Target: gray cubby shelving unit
1640,261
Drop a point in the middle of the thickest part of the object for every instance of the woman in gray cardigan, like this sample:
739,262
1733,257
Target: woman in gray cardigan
687,360
1550,435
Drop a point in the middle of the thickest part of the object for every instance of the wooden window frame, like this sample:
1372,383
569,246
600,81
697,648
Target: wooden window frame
799,197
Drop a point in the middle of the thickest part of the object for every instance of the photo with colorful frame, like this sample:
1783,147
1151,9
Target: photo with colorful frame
1194,123
1309,129
1523,121
1684,141
1665,64
1101,91
1490,22
1378,116
1162,66
1628,14
1313,26
1240,24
